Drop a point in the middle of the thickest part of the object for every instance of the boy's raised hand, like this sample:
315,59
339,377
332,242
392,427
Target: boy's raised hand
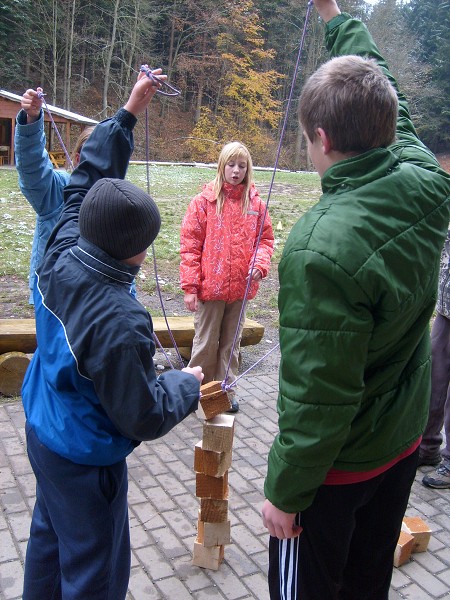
32,104
327,9
143,91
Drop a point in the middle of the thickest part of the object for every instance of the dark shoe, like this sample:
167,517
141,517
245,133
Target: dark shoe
429,460
234,406
440,479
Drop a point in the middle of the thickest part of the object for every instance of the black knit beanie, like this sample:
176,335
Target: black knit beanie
119,218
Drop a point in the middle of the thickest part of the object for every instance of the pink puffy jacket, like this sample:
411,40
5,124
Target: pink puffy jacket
217,250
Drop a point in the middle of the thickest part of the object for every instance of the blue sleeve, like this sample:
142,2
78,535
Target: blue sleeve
39,182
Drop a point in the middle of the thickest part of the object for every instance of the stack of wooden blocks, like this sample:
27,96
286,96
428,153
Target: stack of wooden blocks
414,537
212,460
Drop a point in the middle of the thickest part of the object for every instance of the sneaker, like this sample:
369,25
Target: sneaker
429,460
234,406
441,477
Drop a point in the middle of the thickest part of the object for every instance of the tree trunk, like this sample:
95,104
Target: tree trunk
70,51
108,60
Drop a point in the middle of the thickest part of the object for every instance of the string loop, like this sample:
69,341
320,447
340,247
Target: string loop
173,90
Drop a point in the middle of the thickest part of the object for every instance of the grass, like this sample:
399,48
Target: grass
172,187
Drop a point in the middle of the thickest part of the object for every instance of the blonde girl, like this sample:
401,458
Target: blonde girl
219,247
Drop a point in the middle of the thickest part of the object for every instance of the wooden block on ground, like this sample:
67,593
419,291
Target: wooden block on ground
218,433
211,462
420,532
214,534
213,510
404,548
207,558
215,403
13,366
211,487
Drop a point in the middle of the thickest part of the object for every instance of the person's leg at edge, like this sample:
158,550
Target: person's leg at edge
89,514
369,567
440,391
229,346
42,569
336,527
207,323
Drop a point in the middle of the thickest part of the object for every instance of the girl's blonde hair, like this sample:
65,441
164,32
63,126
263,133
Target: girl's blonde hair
233,151
80,142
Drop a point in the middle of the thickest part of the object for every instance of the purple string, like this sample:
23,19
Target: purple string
233,383
69,160
283,130
155,337
155,267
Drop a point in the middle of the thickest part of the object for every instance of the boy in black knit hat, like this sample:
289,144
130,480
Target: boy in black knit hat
91,394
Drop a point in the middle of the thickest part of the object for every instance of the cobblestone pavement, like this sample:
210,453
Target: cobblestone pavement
163,512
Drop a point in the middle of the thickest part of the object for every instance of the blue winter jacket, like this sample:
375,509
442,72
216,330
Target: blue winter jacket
39,182
91,393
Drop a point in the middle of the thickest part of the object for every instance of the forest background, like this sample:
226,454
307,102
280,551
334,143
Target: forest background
234,62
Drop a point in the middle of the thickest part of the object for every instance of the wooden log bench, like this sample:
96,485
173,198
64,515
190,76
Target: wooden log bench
18,339
19,335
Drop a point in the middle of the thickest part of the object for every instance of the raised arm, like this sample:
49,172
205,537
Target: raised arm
345,35
39,182
106,153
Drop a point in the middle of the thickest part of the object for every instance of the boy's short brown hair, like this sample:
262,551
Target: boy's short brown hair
352,100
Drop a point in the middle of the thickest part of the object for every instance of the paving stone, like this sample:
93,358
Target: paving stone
194,578
257,584
173,588
11,580
141,586
433,585
229,583
163,512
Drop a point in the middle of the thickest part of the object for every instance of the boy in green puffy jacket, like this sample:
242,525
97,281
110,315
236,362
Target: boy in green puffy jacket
358,283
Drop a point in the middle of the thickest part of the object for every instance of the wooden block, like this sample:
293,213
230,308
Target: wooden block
214,534
213,510
420,532
207,558
218,433
13,366
211,487
404,548
211,462
215,403
209,388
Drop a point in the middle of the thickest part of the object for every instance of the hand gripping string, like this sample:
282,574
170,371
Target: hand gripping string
226,386
69,160
173,90
155,267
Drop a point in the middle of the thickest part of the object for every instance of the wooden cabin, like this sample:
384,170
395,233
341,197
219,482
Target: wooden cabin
69,126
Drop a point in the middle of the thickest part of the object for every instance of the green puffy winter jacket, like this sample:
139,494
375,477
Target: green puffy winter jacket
358,284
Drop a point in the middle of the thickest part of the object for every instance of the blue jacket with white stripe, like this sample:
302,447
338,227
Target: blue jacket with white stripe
91,392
